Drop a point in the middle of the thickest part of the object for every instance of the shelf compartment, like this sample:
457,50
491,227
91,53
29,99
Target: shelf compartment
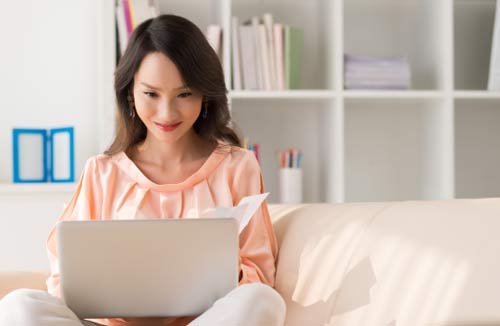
202,13
473,33
477,148
396,149
409,28
315,18
279,125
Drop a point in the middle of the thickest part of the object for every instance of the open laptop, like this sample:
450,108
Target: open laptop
146,268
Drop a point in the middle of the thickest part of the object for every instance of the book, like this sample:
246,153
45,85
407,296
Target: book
278,47
258,53
270,54
154,8
362,72
141,11
214,35
235,54
494,71
268,21
293,44
248,58
264,55
128,17
121,26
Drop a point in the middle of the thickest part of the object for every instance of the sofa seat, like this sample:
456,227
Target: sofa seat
381,263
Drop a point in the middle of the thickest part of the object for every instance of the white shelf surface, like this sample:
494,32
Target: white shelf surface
31,188
464,94
288,94
388,94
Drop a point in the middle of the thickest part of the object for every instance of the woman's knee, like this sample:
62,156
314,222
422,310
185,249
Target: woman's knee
264,301
17,304
34,307
260,291
21,297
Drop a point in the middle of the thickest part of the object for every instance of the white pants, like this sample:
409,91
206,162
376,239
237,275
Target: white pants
249,304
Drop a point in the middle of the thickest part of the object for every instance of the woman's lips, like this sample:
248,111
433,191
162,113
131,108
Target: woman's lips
167,127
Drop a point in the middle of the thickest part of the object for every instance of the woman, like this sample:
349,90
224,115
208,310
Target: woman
174,154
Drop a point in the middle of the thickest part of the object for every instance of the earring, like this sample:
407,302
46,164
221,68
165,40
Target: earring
205,110
131,105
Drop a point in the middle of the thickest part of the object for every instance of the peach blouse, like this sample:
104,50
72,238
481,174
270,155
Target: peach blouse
113,187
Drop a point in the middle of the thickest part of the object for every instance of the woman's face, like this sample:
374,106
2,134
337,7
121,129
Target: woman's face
164,104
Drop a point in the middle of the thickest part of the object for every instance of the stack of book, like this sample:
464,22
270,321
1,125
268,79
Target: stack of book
129,14
265,55
376,73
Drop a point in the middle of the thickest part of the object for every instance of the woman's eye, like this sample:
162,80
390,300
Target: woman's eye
186,94
150,94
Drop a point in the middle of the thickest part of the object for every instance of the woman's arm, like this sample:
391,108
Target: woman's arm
83,205
258,244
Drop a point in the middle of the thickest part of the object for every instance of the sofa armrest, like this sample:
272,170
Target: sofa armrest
11,280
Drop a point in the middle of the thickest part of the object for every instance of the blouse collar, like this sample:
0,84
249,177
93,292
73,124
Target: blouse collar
214,159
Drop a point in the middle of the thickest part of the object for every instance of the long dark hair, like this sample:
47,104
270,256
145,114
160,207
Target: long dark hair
183,43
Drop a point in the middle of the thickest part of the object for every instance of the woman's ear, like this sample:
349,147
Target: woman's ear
130,98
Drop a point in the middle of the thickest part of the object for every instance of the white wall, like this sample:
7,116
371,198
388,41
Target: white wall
49,67
25,222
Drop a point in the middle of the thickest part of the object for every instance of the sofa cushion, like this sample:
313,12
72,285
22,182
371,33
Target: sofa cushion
399,263
316,244
22,279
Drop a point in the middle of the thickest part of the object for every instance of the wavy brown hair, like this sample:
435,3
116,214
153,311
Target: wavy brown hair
186,46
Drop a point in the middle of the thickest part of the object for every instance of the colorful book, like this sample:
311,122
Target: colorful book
293,44
128,17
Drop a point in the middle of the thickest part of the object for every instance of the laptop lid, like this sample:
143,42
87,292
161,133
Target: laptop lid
146,268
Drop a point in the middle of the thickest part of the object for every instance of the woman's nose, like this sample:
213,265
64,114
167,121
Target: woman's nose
167,110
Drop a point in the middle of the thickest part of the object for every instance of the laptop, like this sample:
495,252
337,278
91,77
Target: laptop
148,267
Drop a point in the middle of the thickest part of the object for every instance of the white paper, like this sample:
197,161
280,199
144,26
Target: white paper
243,212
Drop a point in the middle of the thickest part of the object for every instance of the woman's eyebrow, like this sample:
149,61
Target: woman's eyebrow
158,88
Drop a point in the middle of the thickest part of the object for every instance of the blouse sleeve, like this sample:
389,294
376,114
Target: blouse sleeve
84,205
258,244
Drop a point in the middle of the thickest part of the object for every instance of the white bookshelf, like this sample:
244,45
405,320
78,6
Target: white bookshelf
34,189
371,145
435,141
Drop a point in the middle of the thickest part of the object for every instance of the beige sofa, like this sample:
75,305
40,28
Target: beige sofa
385,263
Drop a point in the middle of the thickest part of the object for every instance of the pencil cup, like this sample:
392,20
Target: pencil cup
290,185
